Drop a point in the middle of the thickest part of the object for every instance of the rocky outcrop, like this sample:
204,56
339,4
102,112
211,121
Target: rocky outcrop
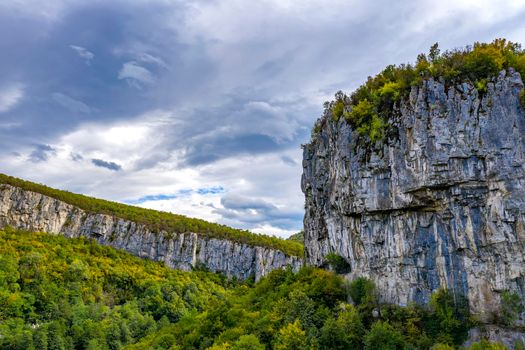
442,204
35,212
510,338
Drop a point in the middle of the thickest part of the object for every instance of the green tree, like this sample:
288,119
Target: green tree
449,321
511,307
291,337
383,336
363,291
247,342
345,332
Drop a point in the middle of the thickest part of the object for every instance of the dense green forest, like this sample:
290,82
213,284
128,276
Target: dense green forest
58,293
369,108
156,220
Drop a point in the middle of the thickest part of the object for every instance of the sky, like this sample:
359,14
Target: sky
200,107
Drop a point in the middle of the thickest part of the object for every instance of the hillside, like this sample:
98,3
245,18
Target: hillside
59,293
156,220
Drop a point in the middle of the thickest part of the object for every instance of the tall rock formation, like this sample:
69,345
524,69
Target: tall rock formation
440,205
32,211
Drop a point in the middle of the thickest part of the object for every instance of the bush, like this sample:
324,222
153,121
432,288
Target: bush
449,321
383,336
247,342
338,110
338,263
486,345
291,337
363,291
511,307
486,60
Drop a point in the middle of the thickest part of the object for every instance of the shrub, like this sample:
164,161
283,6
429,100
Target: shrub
486,345
338,110
383,336
247,342
440,346
291,337
363,291
449,322
337,263
522,98
486,60
511,307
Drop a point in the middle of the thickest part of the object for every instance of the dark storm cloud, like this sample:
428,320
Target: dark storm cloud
105,164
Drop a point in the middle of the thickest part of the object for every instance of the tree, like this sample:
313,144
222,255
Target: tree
363,291
345,332
383,336
291,337
449,320
247,342
511,307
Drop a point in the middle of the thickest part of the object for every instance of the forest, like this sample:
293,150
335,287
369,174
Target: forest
58,293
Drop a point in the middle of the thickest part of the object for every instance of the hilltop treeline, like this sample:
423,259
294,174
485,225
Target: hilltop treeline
369,108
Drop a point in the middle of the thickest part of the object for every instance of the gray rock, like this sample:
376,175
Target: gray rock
35,212
440,205
507,337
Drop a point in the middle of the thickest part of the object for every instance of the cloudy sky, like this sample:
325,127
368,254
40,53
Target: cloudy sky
200,107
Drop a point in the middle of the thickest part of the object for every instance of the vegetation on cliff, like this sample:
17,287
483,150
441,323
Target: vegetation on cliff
369,108
158,221
59,293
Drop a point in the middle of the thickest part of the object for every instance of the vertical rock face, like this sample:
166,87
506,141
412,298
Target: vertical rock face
35,212
441,205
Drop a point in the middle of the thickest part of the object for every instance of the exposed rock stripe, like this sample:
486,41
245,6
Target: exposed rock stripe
36,212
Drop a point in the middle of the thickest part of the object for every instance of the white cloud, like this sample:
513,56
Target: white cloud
83,53
70,103
133,72
10,96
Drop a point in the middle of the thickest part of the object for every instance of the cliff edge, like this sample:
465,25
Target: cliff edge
439,204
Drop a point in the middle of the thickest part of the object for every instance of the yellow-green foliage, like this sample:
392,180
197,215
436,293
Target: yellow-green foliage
338,110
486,345
60,293
478,64
365,119
157,220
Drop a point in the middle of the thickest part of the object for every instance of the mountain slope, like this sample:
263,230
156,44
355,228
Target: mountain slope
218,248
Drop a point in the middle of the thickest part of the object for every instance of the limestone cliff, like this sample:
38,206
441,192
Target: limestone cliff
35,212
441,204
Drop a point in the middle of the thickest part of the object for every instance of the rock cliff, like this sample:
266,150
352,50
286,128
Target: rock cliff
442,204
35,212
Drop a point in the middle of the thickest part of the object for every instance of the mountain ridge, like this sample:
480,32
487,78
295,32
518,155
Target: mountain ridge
24,209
